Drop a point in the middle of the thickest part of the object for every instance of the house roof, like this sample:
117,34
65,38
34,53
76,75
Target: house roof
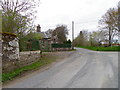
43,34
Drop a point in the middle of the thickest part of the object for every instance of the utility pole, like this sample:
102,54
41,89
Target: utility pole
72,34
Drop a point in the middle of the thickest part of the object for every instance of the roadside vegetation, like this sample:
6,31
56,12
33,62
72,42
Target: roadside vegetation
114,48
103,39
14,20
46,59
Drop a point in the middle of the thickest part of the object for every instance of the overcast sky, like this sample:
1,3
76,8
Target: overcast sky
85,13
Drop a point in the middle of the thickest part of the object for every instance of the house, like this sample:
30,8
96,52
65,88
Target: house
46,41
106,42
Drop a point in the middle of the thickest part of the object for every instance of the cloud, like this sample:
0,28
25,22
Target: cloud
85,13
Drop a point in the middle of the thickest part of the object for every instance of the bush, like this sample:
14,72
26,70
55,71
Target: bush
34,45
30,42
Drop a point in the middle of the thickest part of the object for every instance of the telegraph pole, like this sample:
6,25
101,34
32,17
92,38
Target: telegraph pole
72,34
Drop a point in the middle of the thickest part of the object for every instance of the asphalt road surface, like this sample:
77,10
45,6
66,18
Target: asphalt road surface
83,69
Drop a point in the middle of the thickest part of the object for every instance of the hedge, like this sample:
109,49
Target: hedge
61,45
34,45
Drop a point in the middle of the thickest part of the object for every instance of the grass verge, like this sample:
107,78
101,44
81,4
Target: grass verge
113,48
46,59
73,50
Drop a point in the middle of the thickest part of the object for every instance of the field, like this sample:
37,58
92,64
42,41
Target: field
111,48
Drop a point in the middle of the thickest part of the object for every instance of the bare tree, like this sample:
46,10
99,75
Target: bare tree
49,33
61,33
18,6
109,22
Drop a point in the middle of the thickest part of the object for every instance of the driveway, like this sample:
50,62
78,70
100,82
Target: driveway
82,69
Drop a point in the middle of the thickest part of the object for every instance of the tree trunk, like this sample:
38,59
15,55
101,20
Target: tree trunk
109,37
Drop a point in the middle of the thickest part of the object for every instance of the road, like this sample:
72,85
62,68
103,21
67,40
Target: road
83,69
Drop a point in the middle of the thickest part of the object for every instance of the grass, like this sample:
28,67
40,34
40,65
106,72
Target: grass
46,59
113,48
73,50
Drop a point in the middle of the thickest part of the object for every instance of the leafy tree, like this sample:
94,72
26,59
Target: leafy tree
94,38
60,33
82,39
16,24
49,32
109,22
69,41
17,15
33,38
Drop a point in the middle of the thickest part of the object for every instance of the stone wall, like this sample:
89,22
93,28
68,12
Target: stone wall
61,49
11,57
27,58
0,61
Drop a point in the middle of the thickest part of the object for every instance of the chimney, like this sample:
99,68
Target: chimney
38,28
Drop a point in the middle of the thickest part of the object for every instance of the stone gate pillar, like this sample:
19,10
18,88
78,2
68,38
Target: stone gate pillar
9,52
